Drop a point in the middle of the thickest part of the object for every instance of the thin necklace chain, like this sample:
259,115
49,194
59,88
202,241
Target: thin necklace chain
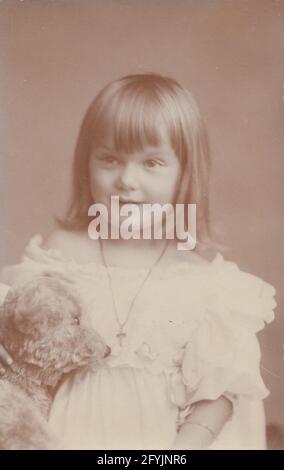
121,334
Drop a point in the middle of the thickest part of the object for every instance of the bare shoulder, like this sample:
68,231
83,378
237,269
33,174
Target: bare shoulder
75,244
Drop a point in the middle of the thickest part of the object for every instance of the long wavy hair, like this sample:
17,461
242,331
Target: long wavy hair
132,109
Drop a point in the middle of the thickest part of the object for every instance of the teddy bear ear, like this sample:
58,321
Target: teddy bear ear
10,300
4,289
2,318
8,309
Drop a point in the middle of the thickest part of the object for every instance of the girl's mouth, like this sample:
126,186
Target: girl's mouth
130,202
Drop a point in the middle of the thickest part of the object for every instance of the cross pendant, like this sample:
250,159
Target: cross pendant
120,336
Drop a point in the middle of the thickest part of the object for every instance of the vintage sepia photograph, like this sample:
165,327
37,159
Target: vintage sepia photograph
141,235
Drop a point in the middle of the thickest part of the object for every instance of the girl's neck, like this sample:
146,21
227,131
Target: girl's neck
134,253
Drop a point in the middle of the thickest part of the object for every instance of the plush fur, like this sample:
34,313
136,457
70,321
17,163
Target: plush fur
42,327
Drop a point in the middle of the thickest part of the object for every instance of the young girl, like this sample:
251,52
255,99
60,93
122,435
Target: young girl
184,368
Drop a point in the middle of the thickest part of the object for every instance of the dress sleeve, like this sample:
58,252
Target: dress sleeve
223,356
34,260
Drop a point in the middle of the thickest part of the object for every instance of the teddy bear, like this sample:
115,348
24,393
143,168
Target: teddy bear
44,328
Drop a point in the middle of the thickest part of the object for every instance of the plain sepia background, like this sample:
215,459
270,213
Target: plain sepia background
57,54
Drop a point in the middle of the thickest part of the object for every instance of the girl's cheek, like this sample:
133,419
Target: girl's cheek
104,183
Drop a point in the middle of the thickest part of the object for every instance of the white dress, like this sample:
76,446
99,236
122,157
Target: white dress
191,336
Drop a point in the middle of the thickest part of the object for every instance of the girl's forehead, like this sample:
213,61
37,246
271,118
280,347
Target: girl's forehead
166,153
117,140
162,146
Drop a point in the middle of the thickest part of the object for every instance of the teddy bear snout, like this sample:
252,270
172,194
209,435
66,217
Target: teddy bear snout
107,351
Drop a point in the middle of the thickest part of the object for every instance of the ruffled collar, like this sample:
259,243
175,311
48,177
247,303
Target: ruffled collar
38,253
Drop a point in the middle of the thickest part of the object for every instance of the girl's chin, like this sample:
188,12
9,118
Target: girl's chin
135,228
130,223
142,223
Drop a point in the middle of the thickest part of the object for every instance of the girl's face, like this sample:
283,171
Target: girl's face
148,176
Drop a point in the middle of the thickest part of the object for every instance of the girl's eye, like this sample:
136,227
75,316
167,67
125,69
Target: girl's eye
108,160
152,163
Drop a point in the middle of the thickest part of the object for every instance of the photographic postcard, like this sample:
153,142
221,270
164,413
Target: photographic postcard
180,334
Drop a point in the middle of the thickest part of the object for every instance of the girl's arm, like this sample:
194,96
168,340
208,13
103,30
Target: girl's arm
204,424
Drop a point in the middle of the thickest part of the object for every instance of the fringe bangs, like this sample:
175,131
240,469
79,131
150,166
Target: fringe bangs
133,121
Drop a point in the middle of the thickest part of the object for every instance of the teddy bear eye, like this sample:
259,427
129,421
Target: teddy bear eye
77,320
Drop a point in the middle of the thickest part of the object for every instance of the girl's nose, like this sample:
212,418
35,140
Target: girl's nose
128,176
